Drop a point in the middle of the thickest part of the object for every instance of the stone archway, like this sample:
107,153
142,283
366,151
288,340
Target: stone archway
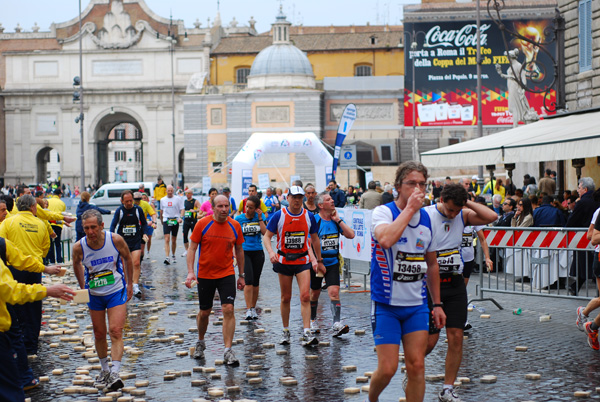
118,147
47,165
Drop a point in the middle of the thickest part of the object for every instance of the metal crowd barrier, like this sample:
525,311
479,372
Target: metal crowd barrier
356,267
538,262
66,249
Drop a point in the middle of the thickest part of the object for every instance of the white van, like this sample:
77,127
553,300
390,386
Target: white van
109,195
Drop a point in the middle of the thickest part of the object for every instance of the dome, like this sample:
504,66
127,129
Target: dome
281,59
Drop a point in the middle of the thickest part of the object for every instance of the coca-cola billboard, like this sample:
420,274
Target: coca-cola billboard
445,69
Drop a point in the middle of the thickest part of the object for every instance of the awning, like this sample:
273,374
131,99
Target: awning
567,137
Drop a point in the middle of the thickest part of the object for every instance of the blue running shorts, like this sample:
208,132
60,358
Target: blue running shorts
390,323
101,303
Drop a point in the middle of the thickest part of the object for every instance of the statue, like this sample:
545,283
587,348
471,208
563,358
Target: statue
518,105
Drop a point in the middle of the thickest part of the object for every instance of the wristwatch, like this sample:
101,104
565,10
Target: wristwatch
242,275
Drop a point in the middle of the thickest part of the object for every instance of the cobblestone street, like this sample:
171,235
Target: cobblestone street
556,349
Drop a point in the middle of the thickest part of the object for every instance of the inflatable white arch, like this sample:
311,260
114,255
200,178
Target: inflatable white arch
261,143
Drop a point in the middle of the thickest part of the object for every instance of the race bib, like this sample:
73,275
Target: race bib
172,222
467,240
100,279
294,240
330,242
251,228
189,214
449,261
129,230
409,267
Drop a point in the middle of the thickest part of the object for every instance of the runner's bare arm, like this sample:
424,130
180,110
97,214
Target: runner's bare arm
486,251
267,243
478,214
120,244
433,283
77,267
239,255
190,259
388,234
596,237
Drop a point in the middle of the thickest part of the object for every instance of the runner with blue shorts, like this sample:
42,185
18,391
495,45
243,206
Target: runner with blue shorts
401,267
98,264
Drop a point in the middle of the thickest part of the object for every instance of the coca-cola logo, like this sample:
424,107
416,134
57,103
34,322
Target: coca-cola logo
466,36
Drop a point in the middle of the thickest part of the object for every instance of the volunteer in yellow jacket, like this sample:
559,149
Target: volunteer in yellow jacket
55,204
29,234
12,292
41,213
14,258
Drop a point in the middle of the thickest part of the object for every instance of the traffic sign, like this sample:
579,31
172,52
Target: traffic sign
348,157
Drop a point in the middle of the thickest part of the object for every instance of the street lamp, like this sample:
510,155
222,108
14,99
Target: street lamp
172,42
413,46
80,117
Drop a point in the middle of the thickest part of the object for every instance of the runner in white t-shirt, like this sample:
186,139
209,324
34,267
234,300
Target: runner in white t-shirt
583,322
172,210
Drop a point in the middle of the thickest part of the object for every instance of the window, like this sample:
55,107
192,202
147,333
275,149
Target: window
386,153
363,70
120,156
120,134
373,40
585,35
138,156
241,75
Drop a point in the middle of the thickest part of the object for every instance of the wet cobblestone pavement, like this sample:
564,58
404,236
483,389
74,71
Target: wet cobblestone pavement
556,349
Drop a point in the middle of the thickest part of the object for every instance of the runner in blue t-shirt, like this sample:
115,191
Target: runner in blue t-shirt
253,227
330,227
271,202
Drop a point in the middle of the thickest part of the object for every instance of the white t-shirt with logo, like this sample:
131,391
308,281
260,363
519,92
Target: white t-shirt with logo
171,207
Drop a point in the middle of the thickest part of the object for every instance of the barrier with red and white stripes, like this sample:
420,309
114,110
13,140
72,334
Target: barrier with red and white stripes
538,238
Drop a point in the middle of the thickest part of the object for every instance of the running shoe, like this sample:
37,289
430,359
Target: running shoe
405,383
581,319
31,384
114,382
339,329
309,339
249,315
199,352
468,326
136,291
285,339
184,253
102,379
314,327
173,259
230,358
254,313
448,395
167,261
592,335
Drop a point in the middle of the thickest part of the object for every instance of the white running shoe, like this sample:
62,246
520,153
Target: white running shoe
254,313
448,395
285,339
230,358
184,253
581,319
249,314
314,327
167,261
173,259
339,329
308,339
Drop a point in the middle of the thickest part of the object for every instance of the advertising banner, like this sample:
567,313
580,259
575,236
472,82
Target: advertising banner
445,71
358,248
346,122
246,181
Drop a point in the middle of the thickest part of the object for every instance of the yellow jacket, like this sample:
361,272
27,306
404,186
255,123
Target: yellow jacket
147,208
41,213
28,233
160,191
55,204
20,261
13,292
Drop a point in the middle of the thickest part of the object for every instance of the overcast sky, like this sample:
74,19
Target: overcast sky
306,12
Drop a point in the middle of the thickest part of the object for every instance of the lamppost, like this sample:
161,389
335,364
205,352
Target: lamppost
172,42
80,118
413,46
